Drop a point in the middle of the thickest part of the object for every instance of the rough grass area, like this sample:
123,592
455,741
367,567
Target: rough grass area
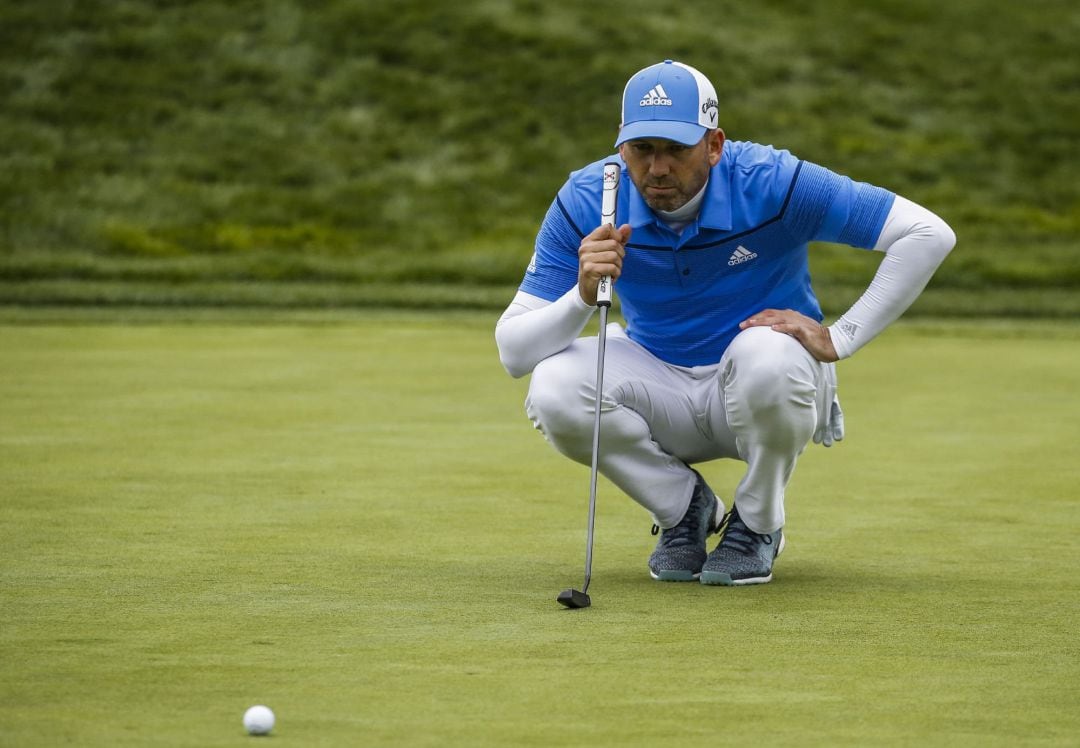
360,142
354,523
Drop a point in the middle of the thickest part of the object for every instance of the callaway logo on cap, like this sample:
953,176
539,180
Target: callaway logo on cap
668,100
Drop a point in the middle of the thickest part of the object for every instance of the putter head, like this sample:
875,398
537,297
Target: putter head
573,599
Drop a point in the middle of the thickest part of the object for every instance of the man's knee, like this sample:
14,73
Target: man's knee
559,401
768,368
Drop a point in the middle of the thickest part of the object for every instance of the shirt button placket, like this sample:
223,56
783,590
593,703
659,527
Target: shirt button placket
681,271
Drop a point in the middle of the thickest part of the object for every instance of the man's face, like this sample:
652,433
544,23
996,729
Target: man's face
667,173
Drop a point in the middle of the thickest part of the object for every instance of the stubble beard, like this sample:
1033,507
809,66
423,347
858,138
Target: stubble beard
666,203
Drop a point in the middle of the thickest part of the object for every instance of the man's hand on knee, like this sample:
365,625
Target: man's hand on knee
813,336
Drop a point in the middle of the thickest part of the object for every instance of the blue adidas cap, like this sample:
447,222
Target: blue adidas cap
668,100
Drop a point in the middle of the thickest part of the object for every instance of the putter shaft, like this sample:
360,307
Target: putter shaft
601,345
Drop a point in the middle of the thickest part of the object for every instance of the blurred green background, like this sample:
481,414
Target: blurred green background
341,153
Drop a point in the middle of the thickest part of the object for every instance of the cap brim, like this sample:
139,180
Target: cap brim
686,133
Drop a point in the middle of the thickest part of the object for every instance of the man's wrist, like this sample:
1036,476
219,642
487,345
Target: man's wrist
842,334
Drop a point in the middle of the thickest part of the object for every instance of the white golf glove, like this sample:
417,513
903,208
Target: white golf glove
831,421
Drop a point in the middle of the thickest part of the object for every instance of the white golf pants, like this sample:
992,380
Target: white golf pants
760,404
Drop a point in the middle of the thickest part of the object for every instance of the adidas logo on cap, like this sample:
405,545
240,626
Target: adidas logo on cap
656,96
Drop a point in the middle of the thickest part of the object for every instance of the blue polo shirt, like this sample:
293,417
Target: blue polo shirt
683,296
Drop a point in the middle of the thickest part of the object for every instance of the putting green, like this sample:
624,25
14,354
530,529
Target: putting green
354,524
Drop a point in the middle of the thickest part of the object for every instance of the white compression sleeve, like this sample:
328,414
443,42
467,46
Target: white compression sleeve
531,329
915,242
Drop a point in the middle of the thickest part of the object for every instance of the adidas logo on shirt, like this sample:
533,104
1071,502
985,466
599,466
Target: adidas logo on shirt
656,97
741,255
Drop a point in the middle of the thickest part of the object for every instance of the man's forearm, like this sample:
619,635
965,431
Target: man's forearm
531,329
915,242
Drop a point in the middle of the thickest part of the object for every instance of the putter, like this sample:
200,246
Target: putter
572,598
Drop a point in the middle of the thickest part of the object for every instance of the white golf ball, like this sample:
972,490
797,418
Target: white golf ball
258,720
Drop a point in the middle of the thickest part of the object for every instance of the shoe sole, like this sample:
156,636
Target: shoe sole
722,579
673,576
725,580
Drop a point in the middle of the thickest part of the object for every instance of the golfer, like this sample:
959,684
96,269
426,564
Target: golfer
724,354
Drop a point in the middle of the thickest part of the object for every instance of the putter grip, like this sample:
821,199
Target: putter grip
609,199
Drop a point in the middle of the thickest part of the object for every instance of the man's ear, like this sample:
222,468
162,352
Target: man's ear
716,140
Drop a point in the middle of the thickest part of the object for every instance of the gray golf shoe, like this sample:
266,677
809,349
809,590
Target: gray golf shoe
681,550
742,556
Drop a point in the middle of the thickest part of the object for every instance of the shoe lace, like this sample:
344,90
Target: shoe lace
683,534
736,535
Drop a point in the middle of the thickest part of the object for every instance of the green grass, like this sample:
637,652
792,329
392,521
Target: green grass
388,143
352,521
